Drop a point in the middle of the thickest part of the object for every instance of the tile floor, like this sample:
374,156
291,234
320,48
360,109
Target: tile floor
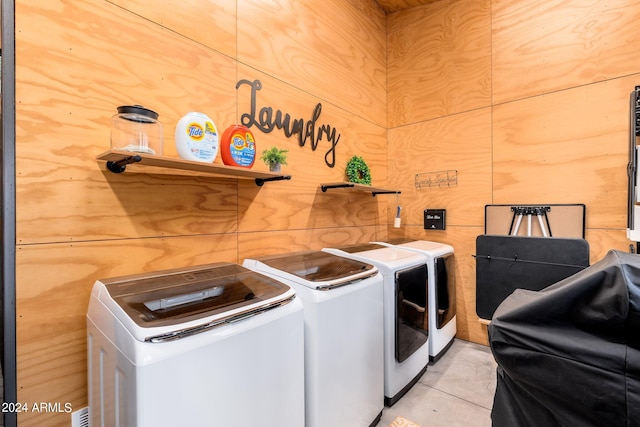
456,391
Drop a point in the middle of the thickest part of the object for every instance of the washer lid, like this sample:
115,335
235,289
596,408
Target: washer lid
318,266
386,258
176,296
426,246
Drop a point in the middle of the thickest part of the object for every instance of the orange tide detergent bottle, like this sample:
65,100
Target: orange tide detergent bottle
197,138
238,146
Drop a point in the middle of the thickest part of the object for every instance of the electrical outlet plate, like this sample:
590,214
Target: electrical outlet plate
434,219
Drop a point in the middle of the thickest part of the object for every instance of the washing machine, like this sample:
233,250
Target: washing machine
212,345
441,290
343,310
406,331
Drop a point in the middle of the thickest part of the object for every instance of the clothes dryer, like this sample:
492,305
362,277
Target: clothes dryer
343,311
213,345
441,290
406,331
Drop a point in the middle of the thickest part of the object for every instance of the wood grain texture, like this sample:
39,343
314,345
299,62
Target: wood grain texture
211,23
56,374
601,241
300,203
438,60
560,147
298,206
103,206
395,5
331,49
544,47
64,124
256,244
566,147
79,90
356,135
75,63
460,142
52,299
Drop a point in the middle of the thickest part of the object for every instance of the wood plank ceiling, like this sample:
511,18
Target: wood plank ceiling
394,5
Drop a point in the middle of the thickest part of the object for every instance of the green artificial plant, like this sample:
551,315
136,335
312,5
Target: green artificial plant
357,171
274,155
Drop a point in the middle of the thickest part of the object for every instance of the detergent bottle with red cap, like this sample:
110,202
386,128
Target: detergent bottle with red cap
238,146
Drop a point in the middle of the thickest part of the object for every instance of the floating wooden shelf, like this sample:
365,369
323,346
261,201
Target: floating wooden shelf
118,160
358,187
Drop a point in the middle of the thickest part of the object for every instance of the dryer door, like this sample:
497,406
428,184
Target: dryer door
445,290
412,320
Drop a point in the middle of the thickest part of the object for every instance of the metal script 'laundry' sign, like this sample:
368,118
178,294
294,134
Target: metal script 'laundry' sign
267,120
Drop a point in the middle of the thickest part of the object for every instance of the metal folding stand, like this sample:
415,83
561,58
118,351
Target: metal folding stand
529,211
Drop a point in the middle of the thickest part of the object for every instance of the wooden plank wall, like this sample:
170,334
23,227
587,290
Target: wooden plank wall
77,61
527,101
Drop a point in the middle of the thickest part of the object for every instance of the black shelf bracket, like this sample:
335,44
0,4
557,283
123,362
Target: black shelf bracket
325,187
120,165
360,187
374,193
260,181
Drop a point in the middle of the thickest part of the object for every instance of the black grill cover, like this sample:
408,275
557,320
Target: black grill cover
569,355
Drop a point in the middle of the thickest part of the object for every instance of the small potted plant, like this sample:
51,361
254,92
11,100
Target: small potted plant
274,157
358,171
